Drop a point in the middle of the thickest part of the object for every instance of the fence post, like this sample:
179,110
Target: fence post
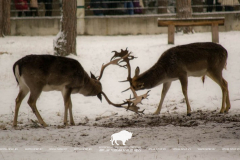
215,34
171,29
80,16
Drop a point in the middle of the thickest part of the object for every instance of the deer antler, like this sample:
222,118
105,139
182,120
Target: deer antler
125,56
114,62
130,105
138,99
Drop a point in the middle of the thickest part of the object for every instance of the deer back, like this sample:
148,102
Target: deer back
194,59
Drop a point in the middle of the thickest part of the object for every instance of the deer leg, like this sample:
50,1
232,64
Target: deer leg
224,96
165,89
71,115
21,95
68,105
32,103
116,142
184,83
227,98
217,77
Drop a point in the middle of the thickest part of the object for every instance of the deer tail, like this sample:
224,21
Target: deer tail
16,72
225,66
203,79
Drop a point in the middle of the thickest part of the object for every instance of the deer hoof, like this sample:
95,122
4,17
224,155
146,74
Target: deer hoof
156,113
44,125
221,112
189,114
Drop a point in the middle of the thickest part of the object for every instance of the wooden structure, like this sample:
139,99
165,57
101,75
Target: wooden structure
202,21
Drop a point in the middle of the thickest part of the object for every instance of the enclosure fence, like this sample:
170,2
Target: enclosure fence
123,7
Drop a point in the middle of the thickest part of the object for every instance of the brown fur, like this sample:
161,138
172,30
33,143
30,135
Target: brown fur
37,73
180,62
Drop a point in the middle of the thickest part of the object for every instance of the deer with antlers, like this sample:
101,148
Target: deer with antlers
37,73
180,62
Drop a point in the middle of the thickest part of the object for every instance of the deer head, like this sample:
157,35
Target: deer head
135,84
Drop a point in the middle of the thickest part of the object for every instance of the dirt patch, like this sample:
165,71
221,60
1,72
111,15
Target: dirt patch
197,118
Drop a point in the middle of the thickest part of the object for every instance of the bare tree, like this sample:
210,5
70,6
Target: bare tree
5,25
184,10
1,18
65,41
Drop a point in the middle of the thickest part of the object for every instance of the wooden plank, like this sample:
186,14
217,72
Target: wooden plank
215,34
171,29
190,21
193,18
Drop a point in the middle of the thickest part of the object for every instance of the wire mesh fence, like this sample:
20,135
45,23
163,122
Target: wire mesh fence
121,7
25,8
128,7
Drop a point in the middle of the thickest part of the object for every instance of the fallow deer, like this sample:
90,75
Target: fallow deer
37,73
180,62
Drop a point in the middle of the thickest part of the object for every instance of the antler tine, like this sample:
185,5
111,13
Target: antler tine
129,107
122,55
134,92
136,99
115,55
114,62
134,108
126,89
132,57
125,57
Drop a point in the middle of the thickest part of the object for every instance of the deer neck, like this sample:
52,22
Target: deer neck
91,87
153,77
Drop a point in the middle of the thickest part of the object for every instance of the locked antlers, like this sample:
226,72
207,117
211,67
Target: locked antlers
131,103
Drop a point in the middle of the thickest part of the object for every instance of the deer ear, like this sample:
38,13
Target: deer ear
92,76
137,71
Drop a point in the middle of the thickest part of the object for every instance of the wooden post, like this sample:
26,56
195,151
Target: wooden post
215,36
171,29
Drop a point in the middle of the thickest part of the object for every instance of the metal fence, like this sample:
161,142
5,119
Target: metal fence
122,7
43,8
128,7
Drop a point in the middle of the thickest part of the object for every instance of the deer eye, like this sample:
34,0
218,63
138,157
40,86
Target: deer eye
141,85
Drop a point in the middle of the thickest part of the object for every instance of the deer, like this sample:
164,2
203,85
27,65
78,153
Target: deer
179,63
42,73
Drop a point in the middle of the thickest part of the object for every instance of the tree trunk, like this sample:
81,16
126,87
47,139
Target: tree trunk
65,41
184,10
162,4
1,18
199,7
5,25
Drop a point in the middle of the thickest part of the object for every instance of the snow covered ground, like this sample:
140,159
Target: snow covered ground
171,135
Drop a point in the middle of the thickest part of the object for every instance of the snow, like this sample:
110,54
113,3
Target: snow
170,135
